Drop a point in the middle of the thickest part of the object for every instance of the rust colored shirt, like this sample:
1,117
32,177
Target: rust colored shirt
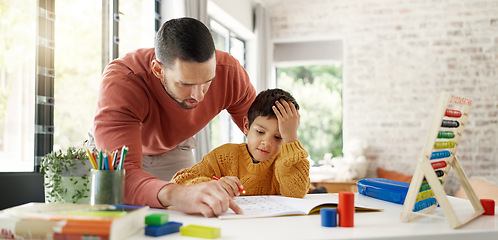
133,109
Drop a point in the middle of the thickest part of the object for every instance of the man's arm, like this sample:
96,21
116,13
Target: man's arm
121,107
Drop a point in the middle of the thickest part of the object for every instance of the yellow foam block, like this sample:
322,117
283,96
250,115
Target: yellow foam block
200,231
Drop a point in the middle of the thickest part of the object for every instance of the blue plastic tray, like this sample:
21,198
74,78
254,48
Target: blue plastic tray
384,189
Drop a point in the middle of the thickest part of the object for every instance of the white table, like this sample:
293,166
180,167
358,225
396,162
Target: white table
368,225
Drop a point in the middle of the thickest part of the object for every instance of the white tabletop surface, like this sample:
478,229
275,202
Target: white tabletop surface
367,225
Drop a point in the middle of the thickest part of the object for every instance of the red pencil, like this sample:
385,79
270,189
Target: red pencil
240,189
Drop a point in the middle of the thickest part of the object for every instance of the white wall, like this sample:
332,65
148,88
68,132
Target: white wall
236,15
398,56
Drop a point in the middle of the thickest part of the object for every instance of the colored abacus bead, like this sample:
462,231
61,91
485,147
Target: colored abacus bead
488,205
425,186
450,124
440,154
439,173
442,145
424,195
424,204
445,134
440,164
452,113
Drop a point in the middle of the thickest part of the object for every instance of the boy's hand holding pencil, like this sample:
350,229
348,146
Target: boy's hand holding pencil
231,184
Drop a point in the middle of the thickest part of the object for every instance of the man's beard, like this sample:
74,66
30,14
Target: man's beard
183,103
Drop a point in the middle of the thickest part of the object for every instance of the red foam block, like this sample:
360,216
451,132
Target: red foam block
346,209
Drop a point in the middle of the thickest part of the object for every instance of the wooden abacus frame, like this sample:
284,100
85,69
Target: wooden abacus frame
425,169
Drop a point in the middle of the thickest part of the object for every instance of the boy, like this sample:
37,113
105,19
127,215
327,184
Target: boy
272,162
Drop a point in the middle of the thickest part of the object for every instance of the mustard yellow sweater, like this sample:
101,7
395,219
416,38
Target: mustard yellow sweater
285,174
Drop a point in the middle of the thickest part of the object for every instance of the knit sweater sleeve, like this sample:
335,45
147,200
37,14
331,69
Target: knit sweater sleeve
292,170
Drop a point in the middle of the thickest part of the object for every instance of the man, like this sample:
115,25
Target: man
155,100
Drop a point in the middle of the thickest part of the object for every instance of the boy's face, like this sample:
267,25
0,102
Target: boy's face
263,138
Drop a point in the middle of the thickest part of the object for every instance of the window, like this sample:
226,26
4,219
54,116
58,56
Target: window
136,25
70,80
312,72
58,43
17,88
78,67
318,90
223,129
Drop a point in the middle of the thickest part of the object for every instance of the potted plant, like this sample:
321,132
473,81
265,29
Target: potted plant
66,176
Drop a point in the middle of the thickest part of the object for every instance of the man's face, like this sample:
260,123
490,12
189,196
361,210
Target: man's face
188,82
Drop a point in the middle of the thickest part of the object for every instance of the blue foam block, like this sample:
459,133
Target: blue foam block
329,217
155,231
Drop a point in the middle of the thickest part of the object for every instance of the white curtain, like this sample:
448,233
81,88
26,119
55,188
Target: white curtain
198,9
264,49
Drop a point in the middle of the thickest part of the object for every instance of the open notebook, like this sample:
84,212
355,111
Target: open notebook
273,205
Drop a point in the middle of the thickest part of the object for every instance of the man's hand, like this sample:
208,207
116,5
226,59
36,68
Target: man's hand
288,120
209,198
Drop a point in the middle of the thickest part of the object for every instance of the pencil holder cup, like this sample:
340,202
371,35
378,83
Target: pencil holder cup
107,186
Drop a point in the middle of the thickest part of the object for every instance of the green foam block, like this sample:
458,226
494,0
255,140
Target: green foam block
156,219
200,231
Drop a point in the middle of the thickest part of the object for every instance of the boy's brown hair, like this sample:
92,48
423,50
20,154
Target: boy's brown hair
262,105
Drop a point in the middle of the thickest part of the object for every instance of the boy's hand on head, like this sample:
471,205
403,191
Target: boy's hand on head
288,120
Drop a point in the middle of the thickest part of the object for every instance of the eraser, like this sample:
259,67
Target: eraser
157,219
488,205
156,231
200,231
346,209
329,217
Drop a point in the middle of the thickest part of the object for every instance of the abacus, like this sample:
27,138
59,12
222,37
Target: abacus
436,160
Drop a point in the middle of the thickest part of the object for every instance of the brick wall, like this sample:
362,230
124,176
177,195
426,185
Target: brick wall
398,56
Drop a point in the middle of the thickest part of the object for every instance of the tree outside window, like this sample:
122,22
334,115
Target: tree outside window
318,90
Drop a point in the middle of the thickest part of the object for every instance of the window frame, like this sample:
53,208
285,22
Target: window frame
45,70
44,81
230,135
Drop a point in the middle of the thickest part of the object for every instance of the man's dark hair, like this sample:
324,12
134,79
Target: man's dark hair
186,39
262,105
